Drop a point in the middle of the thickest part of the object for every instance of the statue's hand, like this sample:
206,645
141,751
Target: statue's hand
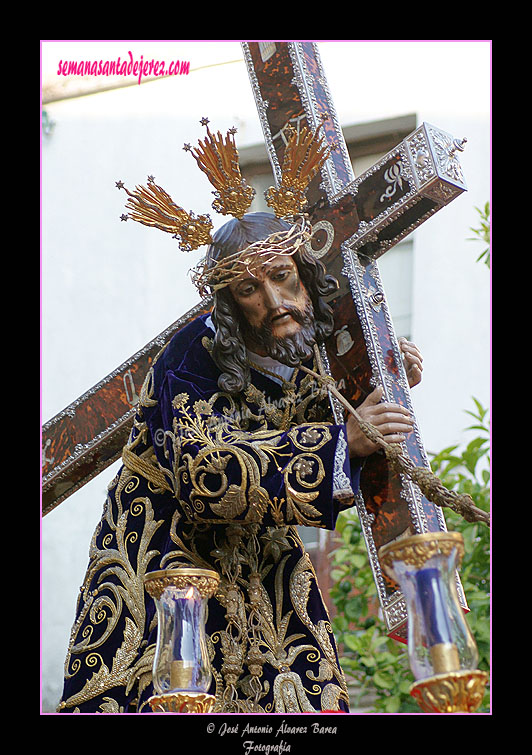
392,420
412,360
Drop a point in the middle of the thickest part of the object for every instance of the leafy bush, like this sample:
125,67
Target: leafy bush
377,665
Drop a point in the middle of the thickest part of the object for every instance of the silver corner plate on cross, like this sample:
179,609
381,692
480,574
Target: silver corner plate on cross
434,160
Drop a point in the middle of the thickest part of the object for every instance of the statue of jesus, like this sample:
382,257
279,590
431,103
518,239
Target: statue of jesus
233,446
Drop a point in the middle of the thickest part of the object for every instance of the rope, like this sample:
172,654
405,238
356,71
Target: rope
429,484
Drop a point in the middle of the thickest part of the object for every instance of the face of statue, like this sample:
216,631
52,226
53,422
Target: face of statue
275,304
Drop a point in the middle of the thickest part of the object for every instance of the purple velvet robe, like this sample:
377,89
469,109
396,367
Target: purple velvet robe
220,482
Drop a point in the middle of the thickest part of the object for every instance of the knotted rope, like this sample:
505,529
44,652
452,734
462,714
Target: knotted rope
429,484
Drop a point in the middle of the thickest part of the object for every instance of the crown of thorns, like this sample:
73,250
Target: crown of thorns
151,205
208,277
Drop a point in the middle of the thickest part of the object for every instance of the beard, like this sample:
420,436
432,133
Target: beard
293,349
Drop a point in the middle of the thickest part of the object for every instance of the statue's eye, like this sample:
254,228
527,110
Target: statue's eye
246,289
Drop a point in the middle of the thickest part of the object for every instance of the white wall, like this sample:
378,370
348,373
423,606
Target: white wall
109,287
451,306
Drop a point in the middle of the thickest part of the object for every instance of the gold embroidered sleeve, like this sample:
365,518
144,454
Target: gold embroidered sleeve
223,474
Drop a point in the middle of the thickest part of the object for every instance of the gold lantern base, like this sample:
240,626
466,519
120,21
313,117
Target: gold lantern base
182,702
453,692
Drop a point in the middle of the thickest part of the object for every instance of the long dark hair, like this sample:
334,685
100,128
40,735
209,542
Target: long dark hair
229,351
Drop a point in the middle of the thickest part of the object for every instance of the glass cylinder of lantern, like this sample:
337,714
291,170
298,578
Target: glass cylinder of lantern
442,651
181,667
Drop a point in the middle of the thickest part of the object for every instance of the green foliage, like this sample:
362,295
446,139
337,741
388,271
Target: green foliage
483,233
468,472
377,664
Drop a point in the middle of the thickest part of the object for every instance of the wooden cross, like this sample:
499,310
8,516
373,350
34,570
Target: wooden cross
355,221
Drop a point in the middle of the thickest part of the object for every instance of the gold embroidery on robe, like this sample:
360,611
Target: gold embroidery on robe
258,624
105,604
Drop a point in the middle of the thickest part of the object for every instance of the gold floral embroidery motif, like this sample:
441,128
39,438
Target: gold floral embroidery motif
300,585
102,608
258,628
217,443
